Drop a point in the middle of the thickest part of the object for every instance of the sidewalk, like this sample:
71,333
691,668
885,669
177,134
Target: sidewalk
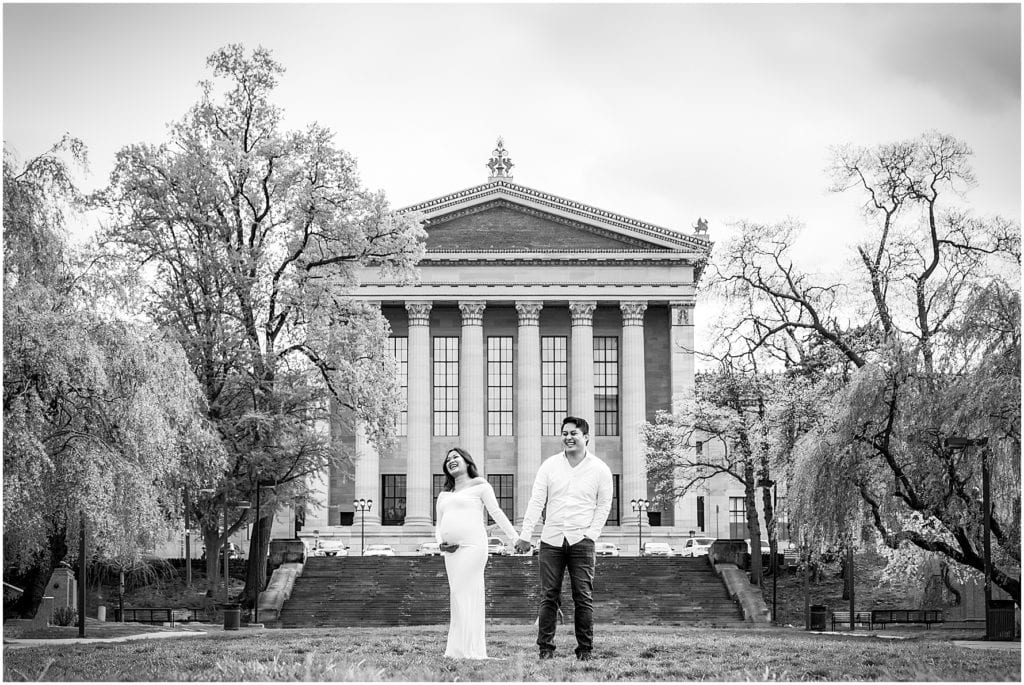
26,642
1002,646
31,642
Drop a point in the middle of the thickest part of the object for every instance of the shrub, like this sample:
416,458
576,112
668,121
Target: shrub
64,616
147,572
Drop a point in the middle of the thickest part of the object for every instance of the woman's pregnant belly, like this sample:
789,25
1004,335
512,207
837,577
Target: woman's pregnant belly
463,526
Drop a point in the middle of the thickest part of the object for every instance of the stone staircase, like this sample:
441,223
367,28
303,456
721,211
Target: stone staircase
386,591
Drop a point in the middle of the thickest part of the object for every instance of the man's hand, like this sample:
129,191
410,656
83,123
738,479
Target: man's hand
447,547
522,546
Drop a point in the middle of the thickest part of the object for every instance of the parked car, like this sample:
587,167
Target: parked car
607,549
766,547
329,548
379,551
234,552
496,546
656,549
696,547
429,549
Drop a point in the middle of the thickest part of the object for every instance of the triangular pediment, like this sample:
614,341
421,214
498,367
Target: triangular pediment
503,225
504,216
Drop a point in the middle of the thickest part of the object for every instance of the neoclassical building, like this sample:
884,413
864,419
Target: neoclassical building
529,307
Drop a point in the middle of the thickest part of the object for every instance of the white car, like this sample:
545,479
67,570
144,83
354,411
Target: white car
234,552
496,546
329,548
429,549
696,547
766,547
379,551
656,549
607,549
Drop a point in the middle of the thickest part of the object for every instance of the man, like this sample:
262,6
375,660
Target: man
576,488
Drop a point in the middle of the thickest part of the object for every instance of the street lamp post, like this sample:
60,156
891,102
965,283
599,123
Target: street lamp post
188,542
639,506
82,570
363,506
960,443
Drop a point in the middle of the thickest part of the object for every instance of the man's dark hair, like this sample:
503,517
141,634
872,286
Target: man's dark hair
580,423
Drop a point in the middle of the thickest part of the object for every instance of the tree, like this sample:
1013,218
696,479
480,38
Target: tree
924,342
100,415
254,236
723,430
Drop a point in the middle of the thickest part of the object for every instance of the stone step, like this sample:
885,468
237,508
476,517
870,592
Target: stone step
342,591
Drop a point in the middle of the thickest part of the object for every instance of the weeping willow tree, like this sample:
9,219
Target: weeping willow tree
922,341
102,417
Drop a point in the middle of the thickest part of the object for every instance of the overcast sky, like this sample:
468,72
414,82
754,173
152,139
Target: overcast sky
665,113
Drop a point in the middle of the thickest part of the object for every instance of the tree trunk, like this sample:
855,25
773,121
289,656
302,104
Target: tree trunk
256,566
844,573
753,526
211,539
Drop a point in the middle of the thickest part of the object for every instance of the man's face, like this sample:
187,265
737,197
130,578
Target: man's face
573,439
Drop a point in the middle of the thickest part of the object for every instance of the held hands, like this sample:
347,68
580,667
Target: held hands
523,546
447,547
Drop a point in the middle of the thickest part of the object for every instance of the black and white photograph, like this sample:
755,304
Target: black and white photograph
512,341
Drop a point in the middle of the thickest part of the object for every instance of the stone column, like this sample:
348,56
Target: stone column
418,480
367,476
634,401
316,507
472,401
581,393
527,404
681,365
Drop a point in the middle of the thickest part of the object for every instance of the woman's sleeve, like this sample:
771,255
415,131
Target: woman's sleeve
440,514
487,496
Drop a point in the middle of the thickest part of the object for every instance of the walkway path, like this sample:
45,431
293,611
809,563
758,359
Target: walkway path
23,642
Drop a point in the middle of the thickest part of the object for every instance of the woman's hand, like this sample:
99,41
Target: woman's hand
446,547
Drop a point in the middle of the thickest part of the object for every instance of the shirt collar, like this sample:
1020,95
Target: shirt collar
586,455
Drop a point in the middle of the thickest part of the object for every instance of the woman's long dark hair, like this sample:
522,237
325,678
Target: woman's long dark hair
449,479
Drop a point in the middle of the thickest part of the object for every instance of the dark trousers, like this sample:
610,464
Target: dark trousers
580,560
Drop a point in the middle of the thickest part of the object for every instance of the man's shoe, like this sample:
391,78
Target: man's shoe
546,654
584,655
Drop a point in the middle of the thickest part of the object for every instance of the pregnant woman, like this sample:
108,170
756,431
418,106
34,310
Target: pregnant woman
463,540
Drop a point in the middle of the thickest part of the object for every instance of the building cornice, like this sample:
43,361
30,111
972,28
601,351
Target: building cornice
504,189
548,260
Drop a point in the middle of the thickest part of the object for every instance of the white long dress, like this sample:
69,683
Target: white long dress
460,521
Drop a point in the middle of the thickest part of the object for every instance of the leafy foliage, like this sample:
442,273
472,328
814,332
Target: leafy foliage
102,416
738,425
920,342
253,238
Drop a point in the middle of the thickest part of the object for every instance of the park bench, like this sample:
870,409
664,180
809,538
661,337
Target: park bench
156,615
859,618
883,617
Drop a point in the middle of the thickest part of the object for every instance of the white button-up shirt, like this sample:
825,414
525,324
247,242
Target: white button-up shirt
578,500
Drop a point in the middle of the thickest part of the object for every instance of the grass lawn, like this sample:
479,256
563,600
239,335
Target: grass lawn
661,653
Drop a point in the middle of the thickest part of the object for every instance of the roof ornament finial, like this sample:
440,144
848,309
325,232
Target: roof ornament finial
500,163
702,227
